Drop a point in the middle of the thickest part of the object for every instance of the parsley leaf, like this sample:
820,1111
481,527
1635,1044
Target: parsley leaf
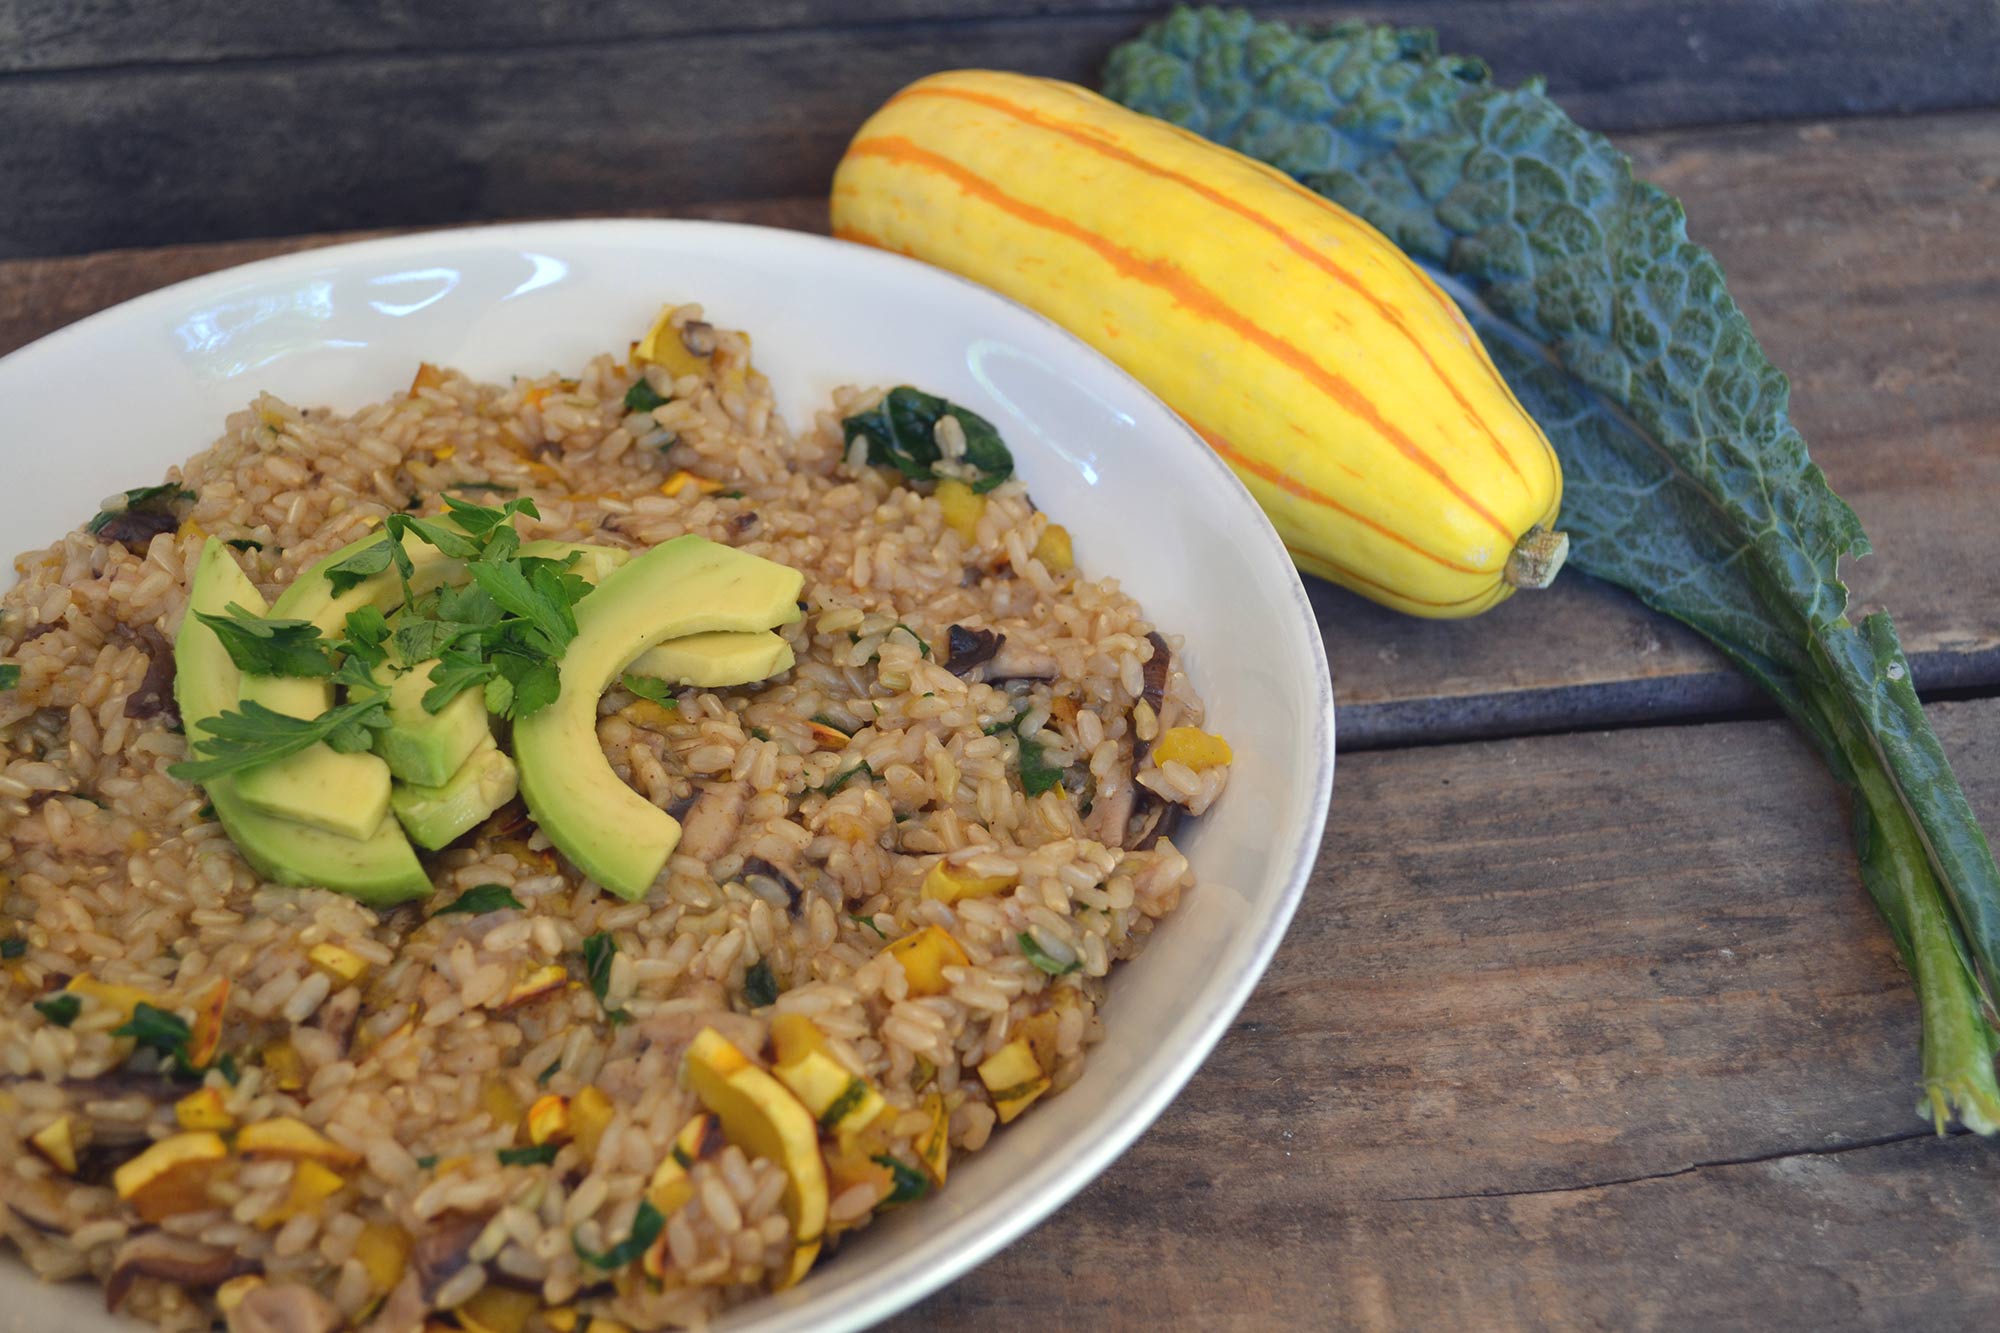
922,647
1040,957
542,1079
647,1224
649,687
261,647
454,674
481,899
142,500
759,986
869,922
10,676
643,397
253,735
60,1009
245,543
13,947
362,565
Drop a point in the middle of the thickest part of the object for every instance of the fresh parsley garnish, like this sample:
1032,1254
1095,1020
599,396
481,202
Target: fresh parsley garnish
901,433
1041,958
1037,776
253,734
759,986
10,676
868,921
244,543
908,1183
262,647
647,1224
542,1079
159,1031
539,1155
12,947
650,687
643,397
60,1009
922,647
427,1161
480,899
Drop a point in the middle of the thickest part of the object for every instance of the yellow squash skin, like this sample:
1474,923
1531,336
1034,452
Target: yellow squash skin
1344,388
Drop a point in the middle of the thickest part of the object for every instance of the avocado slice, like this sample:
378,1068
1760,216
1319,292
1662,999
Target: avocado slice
715,660
380,869
423,748
689,585
341,793
436,815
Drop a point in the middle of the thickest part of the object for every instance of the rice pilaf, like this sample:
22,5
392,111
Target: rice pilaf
494,1092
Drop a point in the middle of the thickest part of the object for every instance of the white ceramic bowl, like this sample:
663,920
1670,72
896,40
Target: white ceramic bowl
1147,501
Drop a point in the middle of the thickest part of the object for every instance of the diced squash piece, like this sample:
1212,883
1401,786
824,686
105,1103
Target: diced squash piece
56,1141
1013,1078
934,1148
548,1119
312,1186
946,885
124,999
681,479
203,1109
925,955
851,1164
699,1138
963,508
1052,548
384,1251
664,347
839,1100
648,713
339,963
171,1176
428,376
497,1099
205,1034
282,1064
231,1293
536,984
829,738
599,1324
1192,746
497,1309
1040,1034
762,1117
283,1136
590,1113
563,1318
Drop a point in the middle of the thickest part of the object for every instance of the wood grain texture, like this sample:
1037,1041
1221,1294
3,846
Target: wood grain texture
143,124
1570,1032
1861,253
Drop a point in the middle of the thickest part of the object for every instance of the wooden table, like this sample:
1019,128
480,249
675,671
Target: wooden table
1586,1020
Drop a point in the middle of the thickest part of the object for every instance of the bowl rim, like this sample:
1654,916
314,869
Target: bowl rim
959,1243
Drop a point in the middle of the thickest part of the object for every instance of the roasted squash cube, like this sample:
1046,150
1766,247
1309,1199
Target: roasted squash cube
56,1141
283,1136
945,885
171,1176
1013,1078
1197,749
925,955
204,1109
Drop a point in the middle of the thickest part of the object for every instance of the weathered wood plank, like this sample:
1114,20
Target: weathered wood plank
1523,972
1877,297
434,114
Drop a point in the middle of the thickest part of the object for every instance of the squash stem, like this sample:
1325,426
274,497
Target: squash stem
1537,558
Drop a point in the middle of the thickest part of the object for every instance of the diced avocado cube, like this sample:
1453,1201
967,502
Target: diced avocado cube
423,748
438,815
346,794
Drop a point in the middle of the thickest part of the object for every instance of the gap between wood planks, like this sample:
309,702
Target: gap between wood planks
1757,1159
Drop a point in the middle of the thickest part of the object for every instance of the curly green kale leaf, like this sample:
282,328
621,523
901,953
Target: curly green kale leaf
1684,478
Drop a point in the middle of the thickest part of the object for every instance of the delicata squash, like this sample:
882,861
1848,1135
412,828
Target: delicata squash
1341,384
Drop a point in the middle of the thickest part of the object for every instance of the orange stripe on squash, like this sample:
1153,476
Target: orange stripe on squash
1171,278
1098,144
